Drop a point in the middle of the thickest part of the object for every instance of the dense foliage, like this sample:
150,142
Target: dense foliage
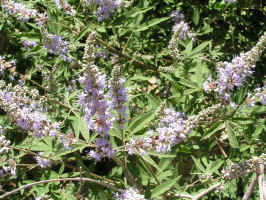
140,99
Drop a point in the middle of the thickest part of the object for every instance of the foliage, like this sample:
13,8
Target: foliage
110,99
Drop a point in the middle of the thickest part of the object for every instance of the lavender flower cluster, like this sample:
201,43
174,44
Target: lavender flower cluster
94,103
232,75
26,111
181,27
67,8
181,32
173,128
118,94
23,13
105,7
56,45
129,194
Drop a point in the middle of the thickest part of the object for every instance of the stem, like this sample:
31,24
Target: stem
220,147
210,189
113,50
31,153
250,188
61,180
197,197
82,165
260,174
150,169
128,174
120,53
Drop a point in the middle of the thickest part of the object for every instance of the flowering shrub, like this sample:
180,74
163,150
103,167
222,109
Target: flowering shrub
116,99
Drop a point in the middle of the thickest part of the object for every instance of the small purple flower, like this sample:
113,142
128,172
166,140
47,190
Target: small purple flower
43,162
29,43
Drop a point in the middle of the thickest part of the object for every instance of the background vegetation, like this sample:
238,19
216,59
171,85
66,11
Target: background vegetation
136,37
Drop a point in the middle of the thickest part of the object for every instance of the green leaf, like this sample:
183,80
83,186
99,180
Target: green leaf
80,126
219,126
149,160
214,166
162,188
231,136
141,121
188,49
159,155
151,23
87,29
139,78
198,164
188,83
141,11
196,15
199,48
44,145
153,102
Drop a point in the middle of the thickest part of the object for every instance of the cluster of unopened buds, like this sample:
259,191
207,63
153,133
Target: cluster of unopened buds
67,8
4,144
8,165
236,170
118,94
24,13
43,197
